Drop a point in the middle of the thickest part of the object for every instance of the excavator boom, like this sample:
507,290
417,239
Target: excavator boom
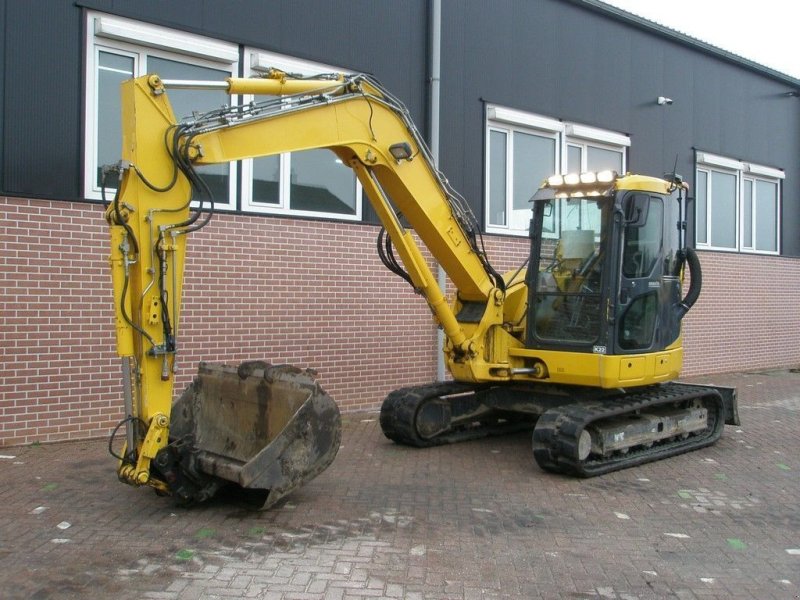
247,429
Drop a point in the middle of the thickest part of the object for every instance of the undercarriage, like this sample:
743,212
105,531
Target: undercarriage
581,433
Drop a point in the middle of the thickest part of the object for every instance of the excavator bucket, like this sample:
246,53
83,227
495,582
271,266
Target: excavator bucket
260,426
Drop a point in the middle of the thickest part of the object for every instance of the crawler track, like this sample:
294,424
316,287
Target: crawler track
443,413
558,431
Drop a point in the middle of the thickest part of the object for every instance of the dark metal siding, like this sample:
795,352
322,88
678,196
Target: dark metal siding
384,38
561,58
568,61
41,109
41,119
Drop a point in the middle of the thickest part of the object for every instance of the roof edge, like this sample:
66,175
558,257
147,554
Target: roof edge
675,35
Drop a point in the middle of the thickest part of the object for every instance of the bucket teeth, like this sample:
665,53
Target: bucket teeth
257,425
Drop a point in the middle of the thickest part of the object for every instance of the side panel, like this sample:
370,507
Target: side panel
607,372
42,110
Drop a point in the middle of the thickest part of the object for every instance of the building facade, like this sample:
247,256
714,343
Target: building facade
287,271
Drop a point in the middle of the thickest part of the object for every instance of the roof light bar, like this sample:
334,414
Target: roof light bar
575,185
607,176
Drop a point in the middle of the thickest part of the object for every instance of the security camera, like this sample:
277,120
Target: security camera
662,100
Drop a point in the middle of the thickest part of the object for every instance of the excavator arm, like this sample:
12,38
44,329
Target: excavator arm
582,349
152,215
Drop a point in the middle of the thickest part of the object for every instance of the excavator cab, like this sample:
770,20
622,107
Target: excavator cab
606,294
610,261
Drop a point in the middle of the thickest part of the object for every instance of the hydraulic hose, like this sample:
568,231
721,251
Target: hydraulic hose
696,284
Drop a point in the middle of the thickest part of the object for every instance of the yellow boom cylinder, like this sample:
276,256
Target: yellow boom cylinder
280,87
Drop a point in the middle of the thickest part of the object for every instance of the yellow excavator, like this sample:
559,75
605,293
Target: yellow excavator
582,343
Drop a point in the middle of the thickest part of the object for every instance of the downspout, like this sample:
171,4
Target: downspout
435,80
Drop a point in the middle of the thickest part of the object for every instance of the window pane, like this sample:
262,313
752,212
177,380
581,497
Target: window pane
549,220
112,69
643,242
574,159
534,160
590,217
747,214
497,178
766,216
701,210
321,183
568,304
572,215
184,102
601,159
723,210
638,324
266,179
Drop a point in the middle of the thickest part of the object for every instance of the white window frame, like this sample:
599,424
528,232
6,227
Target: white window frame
744,172
509,120
584,145
256,62
131,38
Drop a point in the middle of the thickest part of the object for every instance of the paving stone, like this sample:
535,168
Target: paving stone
474,521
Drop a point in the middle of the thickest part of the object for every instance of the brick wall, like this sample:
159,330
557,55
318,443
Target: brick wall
308,293
746,318
59,379
303,292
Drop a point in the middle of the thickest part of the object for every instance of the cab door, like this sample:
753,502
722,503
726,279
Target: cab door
644,288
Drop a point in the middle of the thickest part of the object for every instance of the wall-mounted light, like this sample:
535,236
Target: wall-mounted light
663,100
793,94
